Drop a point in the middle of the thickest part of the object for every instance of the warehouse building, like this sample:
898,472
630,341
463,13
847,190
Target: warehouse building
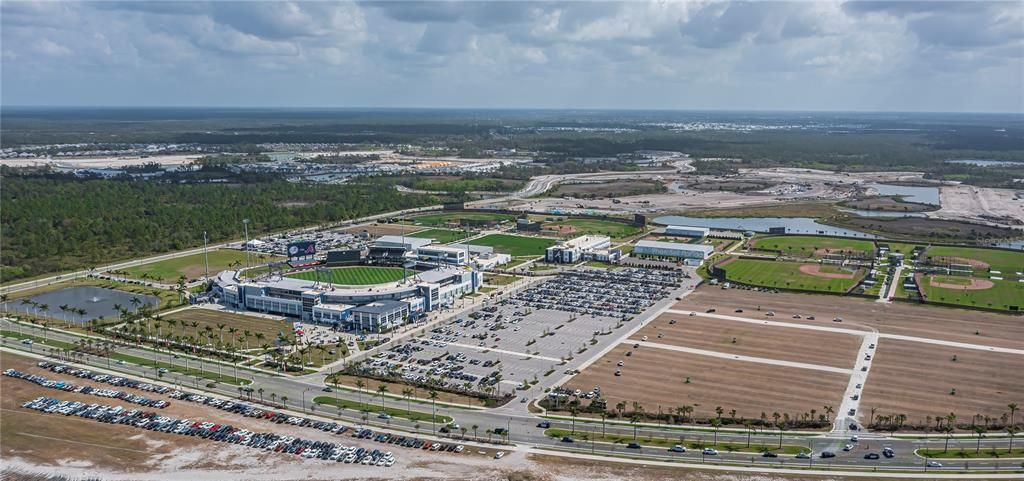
575,250
690,253
687,231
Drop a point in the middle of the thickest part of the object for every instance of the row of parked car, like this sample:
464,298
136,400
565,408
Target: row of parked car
609,293
407,441
325,450
104,378
83,389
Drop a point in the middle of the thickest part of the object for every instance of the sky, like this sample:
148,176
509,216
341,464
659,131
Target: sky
719,55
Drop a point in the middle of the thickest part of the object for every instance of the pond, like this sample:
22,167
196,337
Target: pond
96,301
793,225
921,195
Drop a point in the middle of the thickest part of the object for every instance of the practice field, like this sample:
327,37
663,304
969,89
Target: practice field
578,227
812,246
745,339
901,318
515,245
355,276
262,330
918,379
440,236
657,377
194,266
792,275
1007,262
444,219
972,291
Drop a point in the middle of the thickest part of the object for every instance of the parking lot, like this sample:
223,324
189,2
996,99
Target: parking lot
525,343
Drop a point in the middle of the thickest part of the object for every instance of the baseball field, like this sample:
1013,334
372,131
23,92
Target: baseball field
441,236
1008,262
194,266
792,275
356,276
814,246
972,291
515,245
445,218
578,227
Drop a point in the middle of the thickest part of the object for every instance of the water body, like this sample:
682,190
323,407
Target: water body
96,301
987,162
921,195
1011,244
881,213
793,225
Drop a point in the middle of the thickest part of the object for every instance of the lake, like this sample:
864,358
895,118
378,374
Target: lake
921,195
97,301
793,225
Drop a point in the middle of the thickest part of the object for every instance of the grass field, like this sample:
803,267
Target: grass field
999,260
1001,295
194,266
268,329
784,275
394,407
441,236
594,226
514,245
811,246
444,219
645,438
356,276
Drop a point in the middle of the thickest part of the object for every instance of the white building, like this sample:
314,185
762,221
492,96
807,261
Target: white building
698,252
398,242
443,255
687,231
574,250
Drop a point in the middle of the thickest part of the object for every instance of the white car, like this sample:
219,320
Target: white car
710,451
499,455
848,447
853,438
934,464
679,448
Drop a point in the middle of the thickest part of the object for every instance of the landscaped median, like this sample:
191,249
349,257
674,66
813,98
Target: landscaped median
960,452
664,442
41,345
369,407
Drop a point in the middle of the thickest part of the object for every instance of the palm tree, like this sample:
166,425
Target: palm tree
980,431
245,336
360,384
715,423
273,397
381,389
475,427
949,433
1012,431
573,411
750,428
634,420
463,430
1013,410
407,394
3,300
260,391
220,330
284,401
432,394
828,412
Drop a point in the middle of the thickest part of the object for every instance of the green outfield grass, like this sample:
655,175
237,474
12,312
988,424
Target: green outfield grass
515,245
441,236
595,226
1001,295
1008,262
194,266
785,275
356,276
443,219
806,246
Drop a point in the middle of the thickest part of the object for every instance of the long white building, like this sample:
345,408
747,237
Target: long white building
698,252
574,250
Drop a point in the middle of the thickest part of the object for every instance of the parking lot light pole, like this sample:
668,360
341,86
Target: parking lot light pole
304,399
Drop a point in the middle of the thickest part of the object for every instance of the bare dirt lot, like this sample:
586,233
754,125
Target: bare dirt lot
788,344
656,377
959,325
916,379
75,447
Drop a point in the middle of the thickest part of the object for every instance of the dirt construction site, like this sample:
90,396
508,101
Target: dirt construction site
756,351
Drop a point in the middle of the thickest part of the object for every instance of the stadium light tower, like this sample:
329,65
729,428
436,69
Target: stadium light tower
206,256
245,222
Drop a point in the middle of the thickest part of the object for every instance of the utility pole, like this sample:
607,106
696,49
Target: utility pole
206,255
245,222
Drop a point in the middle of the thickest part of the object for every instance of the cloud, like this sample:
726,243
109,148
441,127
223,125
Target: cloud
824,54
